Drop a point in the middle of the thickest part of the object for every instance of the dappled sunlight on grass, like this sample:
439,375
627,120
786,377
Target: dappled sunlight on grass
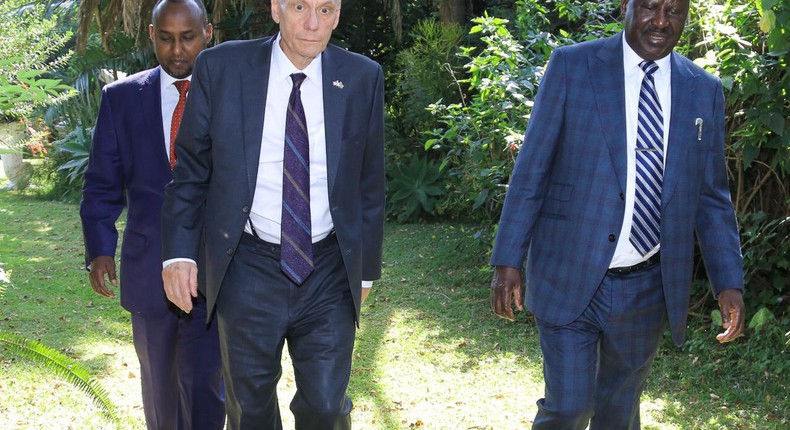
429,352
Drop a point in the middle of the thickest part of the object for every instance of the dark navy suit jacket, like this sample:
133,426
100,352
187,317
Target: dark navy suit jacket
564,207
129,167
218,146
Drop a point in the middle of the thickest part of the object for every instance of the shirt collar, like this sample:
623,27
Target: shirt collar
631,59
166,80
282,68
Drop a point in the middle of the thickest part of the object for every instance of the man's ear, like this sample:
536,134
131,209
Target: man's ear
276,11
209,32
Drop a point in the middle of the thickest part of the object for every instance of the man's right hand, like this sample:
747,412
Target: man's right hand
506,288
101,266
180,281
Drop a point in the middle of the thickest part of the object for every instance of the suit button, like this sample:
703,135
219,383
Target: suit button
612,238
622,196
245,209
229,251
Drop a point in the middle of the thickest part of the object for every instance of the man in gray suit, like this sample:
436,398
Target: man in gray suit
622,162
281,137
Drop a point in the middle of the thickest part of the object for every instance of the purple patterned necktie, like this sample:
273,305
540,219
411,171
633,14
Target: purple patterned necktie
296,258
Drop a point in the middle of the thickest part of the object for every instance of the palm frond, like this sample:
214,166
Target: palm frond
63,366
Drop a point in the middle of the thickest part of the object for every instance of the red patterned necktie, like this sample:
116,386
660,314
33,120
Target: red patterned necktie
296,251
182,87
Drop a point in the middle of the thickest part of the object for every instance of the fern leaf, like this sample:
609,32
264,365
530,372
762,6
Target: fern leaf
63,366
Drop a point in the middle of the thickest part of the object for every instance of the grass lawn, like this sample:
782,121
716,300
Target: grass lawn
430,354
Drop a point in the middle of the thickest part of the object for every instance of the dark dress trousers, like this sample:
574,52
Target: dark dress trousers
207,207
179,354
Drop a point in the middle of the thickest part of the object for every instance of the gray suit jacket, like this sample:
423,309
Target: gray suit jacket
218,146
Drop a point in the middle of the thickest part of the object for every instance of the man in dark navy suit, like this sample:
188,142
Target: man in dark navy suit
130,165
280,187
622,161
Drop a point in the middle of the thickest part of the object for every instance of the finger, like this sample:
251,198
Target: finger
98,284
519,293
193,284
732,331
729,335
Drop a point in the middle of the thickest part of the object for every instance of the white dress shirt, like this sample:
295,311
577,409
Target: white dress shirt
169,95
625,254
266,212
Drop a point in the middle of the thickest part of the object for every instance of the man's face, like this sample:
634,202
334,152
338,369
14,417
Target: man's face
305,27
179,34
653,27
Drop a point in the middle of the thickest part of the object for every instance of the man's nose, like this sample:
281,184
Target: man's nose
312,20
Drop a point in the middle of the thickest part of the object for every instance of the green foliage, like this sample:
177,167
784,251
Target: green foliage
478,139
29,49
746,44
58,364
77,144
766,258
414,190
428,70
62,366
764,351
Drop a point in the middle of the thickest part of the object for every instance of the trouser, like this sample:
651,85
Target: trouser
258,309
595,367
181,370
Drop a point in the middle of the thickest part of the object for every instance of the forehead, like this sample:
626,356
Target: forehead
669,3
174,15
315,3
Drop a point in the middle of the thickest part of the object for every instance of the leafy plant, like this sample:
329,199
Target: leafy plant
62,366
58,364
414,190
77,144
29,49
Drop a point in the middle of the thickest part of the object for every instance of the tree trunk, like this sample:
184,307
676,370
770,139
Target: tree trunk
453,11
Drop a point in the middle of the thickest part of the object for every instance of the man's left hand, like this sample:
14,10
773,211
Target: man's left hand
733,315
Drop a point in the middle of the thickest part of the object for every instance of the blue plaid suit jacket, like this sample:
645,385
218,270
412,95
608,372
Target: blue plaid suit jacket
564,206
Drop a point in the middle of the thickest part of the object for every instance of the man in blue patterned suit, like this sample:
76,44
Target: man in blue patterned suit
622,161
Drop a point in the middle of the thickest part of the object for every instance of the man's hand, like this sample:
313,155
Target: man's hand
180,281
101,266
365,292
733,314
506,287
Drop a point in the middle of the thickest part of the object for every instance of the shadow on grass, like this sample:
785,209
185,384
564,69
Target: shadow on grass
49,298
433,289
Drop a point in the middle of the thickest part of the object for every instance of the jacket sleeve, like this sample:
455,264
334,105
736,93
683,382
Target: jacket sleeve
102,192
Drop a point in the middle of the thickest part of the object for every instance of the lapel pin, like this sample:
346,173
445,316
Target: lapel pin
338,84
698,123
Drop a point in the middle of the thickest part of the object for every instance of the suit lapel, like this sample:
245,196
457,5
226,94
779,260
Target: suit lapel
682,88
151,95
254,86
334,111
606,68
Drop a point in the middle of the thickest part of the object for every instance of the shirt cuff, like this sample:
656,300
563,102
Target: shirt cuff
367,284
176,260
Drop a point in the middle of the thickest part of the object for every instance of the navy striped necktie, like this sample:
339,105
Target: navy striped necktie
296,258
645,230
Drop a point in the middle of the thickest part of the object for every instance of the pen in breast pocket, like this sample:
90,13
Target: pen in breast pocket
698,123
